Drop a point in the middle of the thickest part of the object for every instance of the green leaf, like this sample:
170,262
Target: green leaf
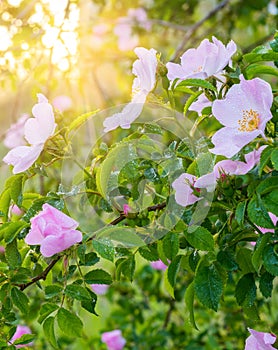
197,82
11,229
227,260
270,259
77,292
52,291
126,267
12,255
24,339
264,159
173,270
46,310
257,260
98,276
271,202
267,185
208,285
16,184
274,158
149,252
244,260
257,57
255,69
90,259
121,235
266,284
258,213
5,200
48,328
69,323
90,305
171,245
240,212
78,121
189,302
20,300
104,247
200,238
245,292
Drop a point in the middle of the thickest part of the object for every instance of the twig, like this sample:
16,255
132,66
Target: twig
195,26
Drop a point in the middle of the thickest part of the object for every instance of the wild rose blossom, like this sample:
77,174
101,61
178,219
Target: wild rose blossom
99,289
184,193
53,230
231,167
259,341
158,265
126,209
208,59
145,70
15,134
36,131
244,113
20,331
114,340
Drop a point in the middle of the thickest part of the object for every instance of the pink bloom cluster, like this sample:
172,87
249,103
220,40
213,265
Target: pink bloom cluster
114,340
53,230
259,341
20,331
145,70
36,131
208,59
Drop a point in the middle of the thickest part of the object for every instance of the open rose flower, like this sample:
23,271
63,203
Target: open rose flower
184,192
145,70
259,341
208,59
229,167
114,340
20,331
53,230
244,113
36,131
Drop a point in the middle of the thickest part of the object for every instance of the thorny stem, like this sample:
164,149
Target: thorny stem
43,275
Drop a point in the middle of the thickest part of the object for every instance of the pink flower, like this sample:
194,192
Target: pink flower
53,230
231,167
15,135
158,265
62,103
2,249
15,210
20,331
259,341
36,131
184,192
113,340
244,113
208,59
99,289
145,70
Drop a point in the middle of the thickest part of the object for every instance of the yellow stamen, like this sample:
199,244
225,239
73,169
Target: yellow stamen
198,70
250,120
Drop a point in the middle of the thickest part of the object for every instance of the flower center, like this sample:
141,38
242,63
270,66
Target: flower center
250,120
198,69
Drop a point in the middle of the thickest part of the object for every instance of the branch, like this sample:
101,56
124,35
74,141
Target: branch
194,28
43,275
